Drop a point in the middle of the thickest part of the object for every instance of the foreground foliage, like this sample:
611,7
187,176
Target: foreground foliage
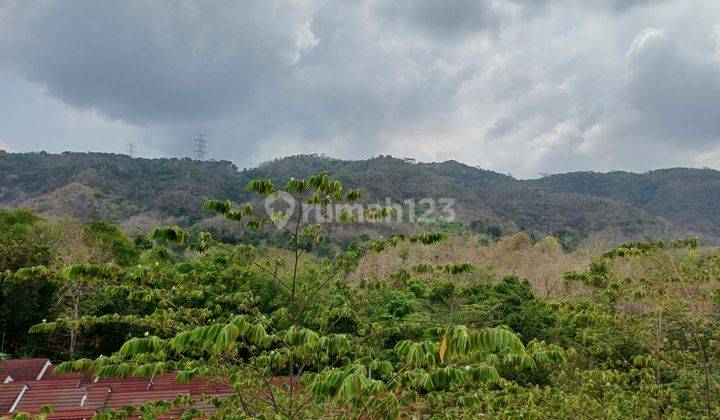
635,335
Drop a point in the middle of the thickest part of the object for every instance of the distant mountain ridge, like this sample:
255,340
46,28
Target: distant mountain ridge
685,196
574,206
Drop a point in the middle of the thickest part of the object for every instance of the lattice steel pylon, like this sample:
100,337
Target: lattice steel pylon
200,146
131,149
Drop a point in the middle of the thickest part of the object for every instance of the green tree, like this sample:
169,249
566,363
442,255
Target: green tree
112,241
78,288
20,243
196,334
26,298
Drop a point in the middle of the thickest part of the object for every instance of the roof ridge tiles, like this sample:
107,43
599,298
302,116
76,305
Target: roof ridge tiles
80,393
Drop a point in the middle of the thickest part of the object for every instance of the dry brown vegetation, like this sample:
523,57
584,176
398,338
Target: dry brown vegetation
542,263
66,240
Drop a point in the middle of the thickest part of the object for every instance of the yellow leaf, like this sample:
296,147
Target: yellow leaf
443,348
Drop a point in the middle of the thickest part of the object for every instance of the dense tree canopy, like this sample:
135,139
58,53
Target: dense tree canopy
576,207
297,334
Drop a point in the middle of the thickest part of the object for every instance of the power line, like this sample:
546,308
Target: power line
200,146
131,149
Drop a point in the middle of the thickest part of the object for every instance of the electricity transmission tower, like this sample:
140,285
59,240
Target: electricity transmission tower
131,149
200,146
545,207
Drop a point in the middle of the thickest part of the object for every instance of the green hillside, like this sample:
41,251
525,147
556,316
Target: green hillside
687,197
139,193
427,325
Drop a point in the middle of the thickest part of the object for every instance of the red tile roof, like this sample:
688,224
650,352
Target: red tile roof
8,395
22,369
78,396
72,415
62,395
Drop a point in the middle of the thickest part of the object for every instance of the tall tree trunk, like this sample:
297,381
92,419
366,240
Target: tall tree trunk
75,317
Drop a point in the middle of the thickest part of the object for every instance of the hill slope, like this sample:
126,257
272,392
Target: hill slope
573,206
687,197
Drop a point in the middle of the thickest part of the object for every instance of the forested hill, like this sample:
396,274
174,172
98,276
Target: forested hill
137,193
687,197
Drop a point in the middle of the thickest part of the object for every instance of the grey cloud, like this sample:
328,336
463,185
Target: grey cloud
514,86
235,71
151,61
621,6
441,18
675,93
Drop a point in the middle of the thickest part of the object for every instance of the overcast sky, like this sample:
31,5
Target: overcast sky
514,86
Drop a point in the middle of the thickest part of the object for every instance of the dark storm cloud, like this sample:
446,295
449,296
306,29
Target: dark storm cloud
441,18
244,73
521,86
151,61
